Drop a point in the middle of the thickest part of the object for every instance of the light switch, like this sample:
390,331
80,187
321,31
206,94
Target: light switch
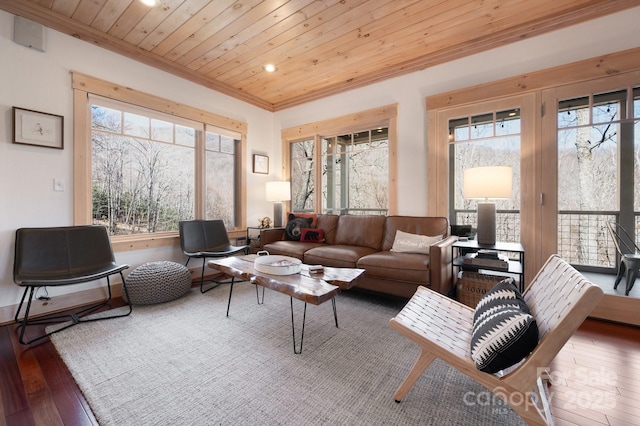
58,185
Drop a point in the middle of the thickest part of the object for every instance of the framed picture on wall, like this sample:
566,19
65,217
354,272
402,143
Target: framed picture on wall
37,128
260,164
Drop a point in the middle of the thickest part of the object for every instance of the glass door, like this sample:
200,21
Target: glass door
591,152
499,132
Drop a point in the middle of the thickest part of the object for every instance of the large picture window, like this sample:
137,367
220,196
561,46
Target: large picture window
143,176
139,172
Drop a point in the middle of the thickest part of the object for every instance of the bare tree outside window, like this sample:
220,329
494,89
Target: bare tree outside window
354,169
588,175
144,170
302,176
221,177
355,172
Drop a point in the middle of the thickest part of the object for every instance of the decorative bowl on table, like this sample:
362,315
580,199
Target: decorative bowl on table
277,265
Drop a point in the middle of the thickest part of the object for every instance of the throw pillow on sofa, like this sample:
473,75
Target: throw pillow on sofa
311,235
412,243
296,222
504,331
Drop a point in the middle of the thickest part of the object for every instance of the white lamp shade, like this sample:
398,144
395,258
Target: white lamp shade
278,191
488,182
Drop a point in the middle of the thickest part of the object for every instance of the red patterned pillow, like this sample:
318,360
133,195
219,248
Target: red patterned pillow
312,235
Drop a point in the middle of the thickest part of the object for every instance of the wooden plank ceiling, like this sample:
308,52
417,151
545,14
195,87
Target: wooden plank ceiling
320,47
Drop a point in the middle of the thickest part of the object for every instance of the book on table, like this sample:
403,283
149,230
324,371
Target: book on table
487,260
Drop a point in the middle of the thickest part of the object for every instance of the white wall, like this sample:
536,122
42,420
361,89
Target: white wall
41,81
606,35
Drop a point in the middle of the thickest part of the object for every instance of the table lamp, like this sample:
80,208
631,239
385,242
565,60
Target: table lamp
487,183
278,192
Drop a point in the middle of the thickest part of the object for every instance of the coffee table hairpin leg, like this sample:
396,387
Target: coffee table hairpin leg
293,328
304,317
260,300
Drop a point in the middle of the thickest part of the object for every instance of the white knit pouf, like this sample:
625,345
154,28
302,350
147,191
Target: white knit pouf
157,282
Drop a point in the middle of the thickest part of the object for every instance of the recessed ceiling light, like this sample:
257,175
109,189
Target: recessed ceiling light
270,68
149,2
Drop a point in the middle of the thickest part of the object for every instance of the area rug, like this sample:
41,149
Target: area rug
186,363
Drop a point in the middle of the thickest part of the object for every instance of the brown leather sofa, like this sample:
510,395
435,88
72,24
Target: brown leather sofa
365,242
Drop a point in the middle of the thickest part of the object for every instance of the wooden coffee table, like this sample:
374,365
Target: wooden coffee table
314,288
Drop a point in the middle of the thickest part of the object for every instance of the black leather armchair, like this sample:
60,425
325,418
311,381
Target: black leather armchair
204,239
57,256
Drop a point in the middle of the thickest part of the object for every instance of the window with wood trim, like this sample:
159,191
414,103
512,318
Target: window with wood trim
491,138
343,169
548,98
147,170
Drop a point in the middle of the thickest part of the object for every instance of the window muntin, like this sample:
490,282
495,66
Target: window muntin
144,175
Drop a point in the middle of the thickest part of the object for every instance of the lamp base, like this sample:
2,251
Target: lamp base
486,223
277,215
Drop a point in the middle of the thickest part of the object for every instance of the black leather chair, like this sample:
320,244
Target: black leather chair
629,255
58,256
204,239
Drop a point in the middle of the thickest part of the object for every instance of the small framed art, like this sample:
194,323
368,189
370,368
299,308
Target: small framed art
37,128
260,164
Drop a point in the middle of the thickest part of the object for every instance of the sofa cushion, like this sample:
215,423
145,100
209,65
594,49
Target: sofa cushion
290,248
363,231
339,256
413,243
396,266
413,225
329,224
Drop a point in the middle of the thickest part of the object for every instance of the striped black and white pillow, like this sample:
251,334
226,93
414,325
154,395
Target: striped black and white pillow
504,331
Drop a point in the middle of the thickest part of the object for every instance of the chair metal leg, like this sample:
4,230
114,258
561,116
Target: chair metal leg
621,273
632,274
202,280
73,318
202,290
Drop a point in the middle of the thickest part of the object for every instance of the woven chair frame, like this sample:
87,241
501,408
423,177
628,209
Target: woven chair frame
560,299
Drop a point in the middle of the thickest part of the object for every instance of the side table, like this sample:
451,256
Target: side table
516,265
253,238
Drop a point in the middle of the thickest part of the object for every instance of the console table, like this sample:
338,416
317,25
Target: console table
516,265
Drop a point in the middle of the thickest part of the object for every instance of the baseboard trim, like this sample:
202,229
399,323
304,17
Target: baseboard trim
74,300
622,309
62,302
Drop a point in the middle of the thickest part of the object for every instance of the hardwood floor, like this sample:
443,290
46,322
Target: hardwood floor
596,380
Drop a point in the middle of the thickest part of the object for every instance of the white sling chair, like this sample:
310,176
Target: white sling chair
559,298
